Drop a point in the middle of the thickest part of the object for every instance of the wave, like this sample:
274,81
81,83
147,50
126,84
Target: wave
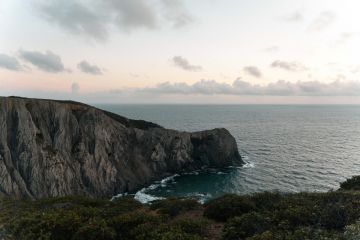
144,197
201,197
249,165
120,195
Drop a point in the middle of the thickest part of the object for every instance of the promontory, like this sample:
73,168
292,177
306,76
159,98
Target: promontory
52,148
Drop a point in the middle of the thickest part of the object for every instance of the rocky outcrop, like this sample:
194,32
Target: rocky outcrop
56,148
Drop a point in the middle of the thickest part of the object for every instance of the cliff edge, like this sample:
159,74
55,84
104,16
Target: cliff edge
54,148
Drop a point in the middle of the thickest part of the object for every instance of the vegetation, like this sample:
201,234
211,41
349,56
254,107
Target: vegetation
264,216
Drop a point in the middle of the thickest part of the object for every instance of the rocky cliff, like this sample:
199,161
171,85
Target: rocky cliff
55,148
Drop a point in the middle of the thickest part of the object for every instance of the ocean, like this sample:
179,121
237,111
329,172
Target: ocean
287,148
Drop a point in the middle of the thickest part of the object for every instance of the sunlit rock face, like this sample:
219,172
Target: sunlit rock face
57,148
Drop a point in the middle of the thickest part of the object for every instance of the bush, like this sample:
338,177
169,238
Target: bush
228,206
174,206
295,216
125,224
246,226
162,232
351,184
94,230
267,200
334,217
120,206
192,226
352,232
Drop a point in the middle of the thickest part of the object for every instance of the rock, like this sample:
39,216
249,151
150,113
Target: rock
55,148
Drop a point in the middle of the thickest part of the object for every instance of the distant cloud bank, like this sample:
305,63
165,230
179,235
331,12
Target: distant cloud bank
240,87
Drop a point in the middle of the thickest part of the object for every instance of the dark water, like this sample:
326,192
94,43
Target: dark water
287,148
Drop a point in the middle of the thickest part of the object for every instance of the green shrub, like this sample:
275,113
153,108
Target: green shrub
311,233
120,206
95,229
192,226
125,224
334,217
267,200
162,231
246,226
295,216
268,235
174,206
228,206
351,184
52,225
352,232
174,234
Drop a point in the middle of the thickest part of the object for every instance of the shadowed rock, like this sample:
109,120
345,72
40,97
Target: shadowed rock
55,148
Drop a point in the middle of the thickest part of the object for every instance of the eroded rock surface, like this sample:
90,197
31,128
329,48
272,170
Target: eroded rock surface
56,148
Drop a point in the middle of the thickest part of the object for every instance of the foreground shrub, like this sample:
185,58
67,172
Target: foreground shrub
228,206
162,231
352,232
174,206
192,226
351,184
246,226
125,224
267,200
334,217
94,230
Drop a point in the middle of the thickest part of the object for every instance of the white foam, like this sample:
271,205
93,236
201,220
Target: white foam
118,196
248,165
201,197
143,197
191,173
168,179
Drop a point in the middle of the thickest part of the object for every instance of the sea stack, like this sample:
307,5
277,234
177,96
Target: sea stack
54,148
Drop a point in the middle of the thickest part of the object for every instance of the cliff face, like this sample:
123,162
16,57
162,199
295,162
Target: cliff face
56,148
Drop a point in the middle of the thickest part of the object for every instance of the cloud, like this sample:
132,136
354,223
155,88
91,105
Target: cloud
176,12
86,67
9,63
75,88
288,66
253,71
272,49
131,14
95,18
324,20
343,38
242,88
75,17
294,17
48,61
185,65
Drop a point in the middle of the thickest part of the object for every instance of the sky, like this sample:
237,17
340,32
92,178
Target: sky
181,51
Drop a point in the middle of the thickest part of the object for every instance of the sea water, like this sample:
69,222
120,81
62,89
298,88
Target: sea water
288,148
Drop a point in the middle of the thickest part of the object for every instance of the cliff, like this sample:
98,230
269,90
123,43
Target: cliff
55,148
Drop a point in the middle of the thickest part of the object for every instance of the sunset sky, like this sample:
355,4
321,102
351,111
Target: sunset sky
181,51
